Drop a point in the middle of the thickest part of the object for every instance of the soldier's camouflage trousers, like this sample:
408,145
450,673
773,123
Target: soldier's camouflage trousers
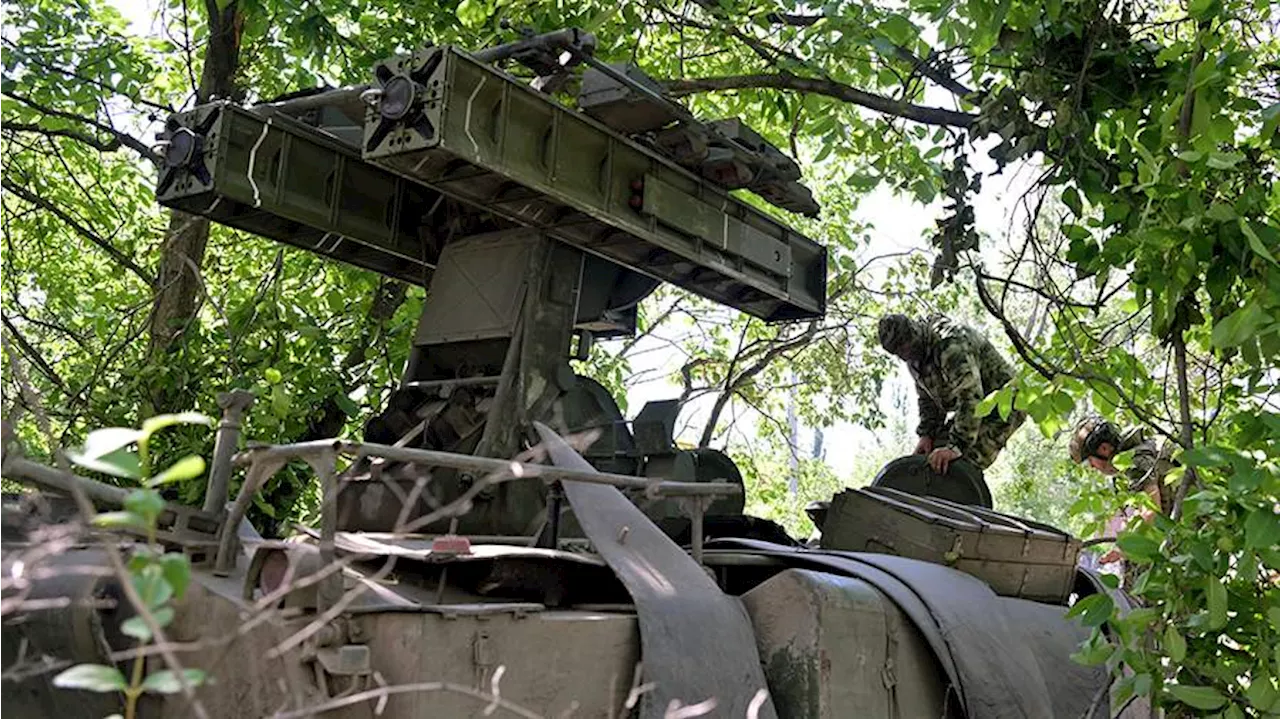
993,434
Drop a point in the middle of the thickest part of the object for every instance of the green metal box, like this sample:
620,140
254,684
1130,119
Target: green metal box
1016,557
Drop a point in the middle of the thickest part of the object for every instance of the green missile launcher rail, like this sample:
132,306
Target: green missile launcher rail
445,119
276,177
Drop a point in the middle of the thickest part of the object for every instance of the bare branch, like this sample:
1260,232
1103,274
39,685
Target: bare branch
34,355
829,88
83,231
91,141
123,138
918,65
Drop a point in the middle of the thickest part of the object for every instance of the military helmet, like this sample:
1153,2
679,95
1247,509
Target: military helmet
896,331
1090,433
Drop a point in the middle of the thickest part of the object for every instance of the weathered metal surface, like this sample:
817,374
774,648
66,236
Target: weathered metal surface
833,646
477,134
233,404
76,621
178,522
999,666
1016,557
619,106
551,663
696,641
280,179
963,483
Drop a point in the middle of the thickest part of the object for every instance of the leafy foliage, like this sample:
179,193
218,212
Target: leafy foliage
157,577
1144,284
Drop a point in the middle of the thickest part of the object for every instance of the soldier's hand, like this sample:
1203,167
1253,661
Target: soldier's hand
941,458
924,446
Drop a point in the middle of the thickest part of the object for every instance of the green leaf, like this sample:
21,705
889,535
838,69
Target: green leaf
119,520
145,503
1142,684
1206,698
1197,8
1138,547
176,569
188,467
135,627
1255,242
91,677
350,408
1005,402
160,421
104,451
1239,326
1224,160
1211,456
1093,610
1076,232
1191,156
1262,693
1174,645
1216,597
472,13
152,587
101,442
280,401
120,463
167,682
898,29
1221,211
1262,528
1071,198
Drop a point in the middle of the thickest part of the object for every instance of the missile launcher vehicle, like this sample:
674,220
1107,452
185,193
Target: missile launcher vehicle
604,571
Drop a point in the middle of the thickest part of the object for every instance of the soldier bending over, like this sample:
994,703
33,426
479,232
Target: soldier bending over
954,368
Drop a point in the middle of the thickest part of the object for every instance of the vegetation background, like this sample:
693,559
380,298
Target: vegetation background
1130,265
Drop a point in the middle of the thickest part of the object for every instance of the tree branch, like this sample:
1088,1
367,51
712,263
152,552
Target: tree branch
734,384
122,138
830,88
83,231
91,141
34,355
918,65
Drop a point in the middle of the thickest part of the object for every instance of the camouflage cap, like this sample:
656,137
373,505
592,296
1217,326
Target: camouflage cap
896,331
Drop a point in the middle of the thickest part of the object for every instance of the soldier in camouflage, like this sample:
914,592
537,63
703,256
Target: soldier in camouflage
1098,442
954,368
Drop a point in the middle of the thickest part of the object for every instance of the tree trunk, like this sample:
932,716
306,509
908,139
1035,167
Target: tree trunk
793,441
176,301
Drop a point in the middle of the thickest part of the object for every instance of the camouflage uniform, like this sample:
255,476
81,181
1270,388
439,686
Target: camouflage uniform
1150,463
958,368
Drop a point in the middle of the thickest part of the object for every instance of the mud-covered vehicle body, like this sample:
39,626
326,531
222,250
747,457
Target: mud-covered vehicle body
604,571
